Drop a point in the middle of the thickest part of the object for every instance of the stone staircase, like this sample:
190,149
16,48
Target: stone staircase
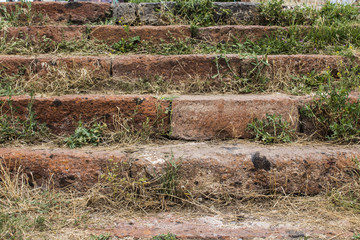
205,133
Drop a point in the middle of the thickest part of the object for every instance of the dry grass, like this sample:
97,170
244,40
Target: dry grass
34,212
59,79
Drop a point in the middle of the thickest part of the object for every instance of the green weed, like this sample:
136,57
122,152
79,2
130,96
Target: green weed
273,13
127,45
272,129
333,115
168,236
100,237
20,15
356,237
195,13
85,136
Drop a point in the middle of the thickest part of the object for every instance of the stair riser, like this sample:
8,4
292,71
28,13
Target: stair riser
154,34
61,114
176,68
220,171
190,117
76,12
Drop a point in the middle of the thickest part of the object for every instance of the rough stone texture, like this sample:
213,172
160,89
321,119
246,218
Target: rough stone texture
150,13
238,33
63,166
308,125
36,33
125,12
241,12
294,64
76,12
217,227
61,114
176,67
98,66
16,65
154,34
230,168
210,117
207,169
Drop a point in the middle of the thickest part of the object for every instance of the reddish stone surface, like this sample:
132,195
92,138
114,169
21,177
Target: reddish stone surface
154,34
210,117
239,168
16,65
238,33
63,166
176,68
61,114
206,169
76,12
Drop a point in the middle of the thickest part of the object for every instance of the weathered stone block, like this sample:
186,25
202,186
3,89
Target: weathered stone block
221,117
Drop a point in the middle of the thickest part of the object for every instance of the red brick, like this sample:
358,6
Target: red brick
76,12
61,114
176,68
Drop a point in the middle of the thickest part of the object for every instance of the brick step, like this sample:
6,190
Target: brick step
111,34
182,117
175,69
60,12
237,168
128,13
153,13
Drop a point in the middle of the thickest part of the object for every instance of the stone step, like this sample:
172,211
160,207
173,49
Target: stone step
205,169
175,69
60,12
153,13
112,34
128,13
179,117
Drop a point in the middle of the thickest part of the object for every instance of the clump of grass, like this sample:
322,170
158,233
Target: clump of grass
124,130
195,13
273,13
168,236
20,14
27,45
13,128
333,115
348,196
155,191
25,211
272,129
321,39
